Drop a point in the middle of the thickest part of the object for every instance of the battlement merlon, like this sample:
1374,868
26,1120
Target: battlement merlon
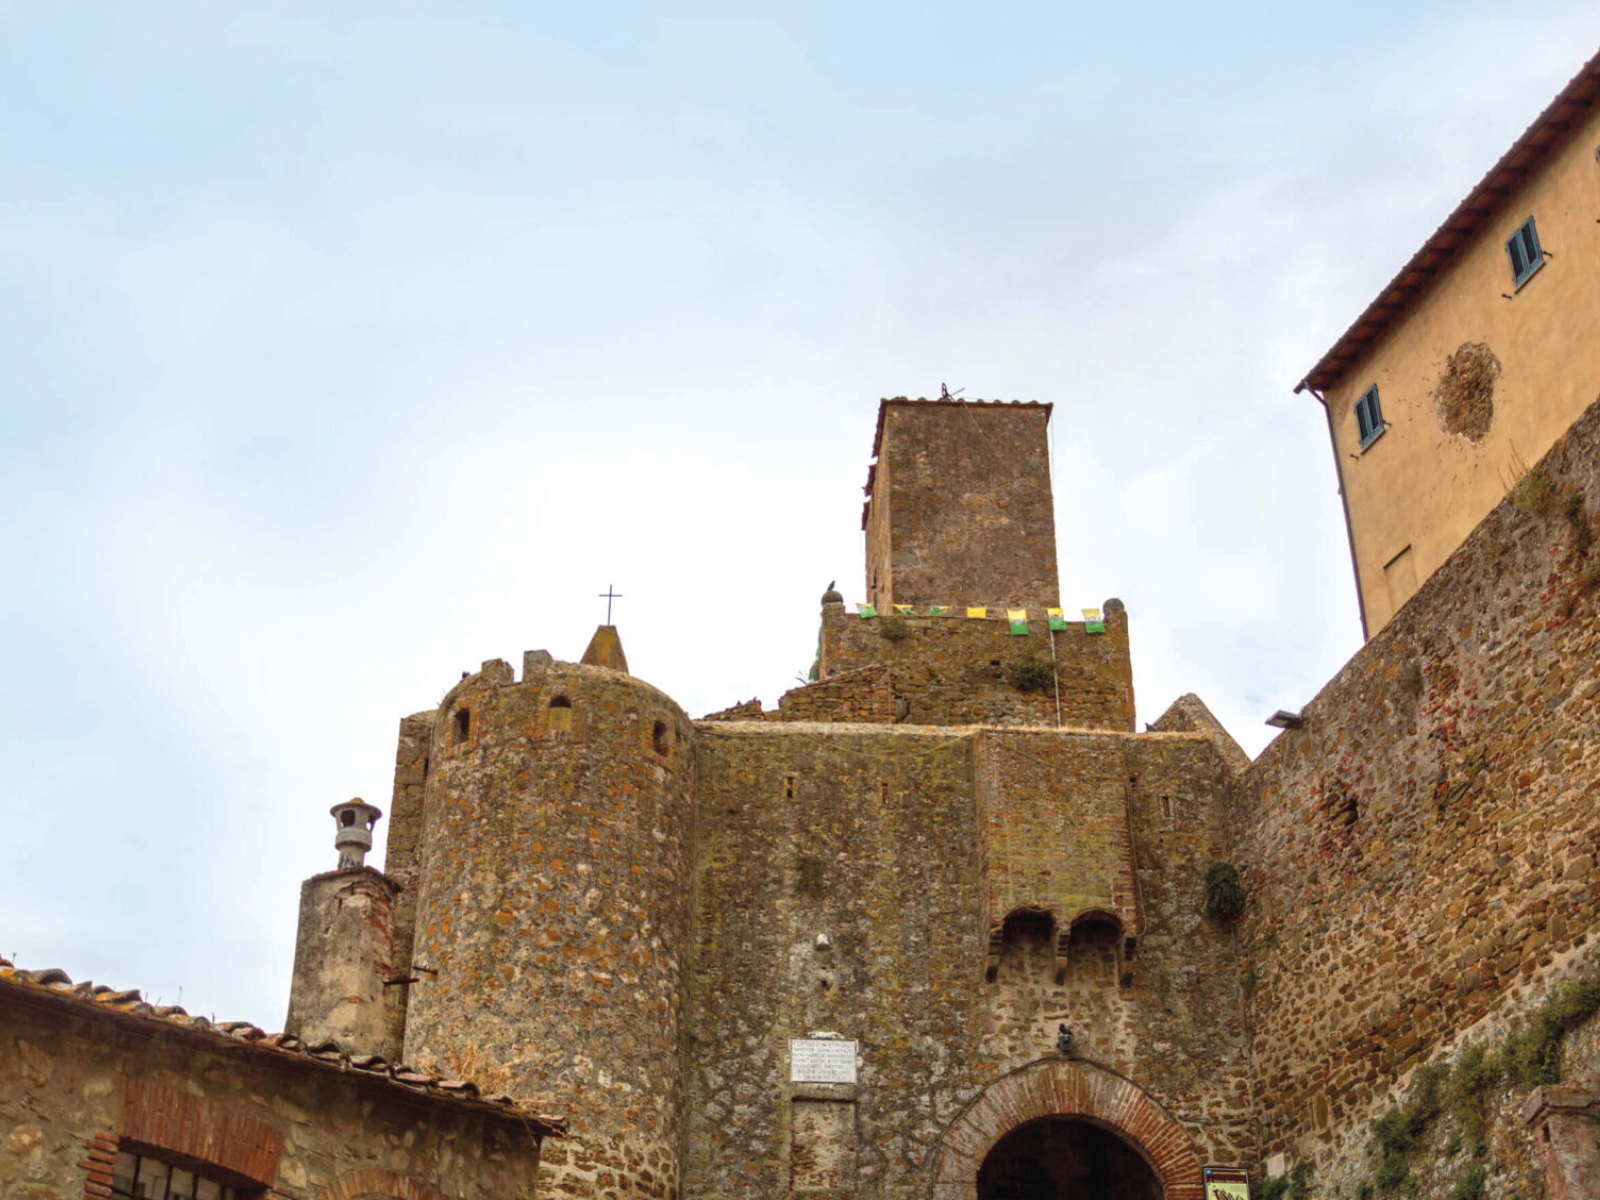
959,505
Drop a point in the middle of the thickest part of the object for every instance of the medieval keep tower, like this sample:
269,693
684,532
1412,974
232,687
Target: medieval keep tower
824,949
959,503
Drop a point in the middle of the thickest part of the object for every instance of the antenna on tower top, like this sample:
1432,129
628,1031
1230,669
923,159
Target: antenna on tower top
946,394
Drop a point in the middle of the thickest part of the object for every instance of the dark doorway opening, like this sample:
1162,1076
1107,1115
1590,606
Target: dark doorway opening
1059,1158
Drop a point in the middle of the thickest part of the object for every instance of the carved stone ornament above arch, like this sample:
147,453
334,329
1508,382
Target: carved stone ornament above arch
1055,1087
374,1183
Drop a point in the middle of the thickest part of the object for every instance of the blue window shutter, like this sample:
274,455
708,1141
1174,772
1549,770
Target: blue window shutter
1514,249
1369,417
1524,251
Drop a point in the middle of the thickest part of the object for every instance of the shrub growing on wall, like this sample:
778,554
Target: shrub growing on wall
1031,675
1224,892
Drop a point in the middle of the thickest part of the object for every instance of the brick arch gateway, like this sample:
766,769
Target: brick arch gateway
1074,1089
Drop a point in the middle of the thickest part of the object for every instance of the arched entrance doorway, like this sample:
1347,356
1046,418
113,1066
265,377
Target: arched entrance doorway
1062,1158
1072,1092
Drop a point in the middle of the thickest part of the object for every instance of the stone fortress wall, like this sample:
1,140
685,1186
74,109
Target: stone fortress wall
628,915
846,879
1420,855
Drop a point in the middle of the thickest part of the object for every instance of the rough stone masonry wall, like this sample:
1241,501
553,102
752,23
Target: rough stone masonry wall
402,850
1054,818
955,671
71,1085
343,956
1425,844
863,695
870,836
970,519
554,906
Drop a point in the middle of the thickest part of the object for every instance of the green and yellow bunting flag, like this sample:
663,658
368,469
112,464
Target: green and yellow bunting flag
1093,621
866,610
1057,621
977,614
906,610
938,610
1019,621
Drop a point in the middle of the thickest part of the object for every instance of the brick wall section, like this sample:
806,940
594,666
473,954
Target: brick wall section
1051,1088
158,1116
954,671
99,1162
72,1081
553,902
1425,843
879,849
960,508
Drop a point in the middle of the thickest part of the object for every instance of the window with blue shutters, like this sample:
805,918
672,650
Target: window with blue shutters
1369,417
1522,247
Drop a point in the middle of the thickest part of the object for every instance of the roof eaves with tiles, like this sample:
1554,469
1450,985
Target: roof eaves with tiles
54,989
1549,130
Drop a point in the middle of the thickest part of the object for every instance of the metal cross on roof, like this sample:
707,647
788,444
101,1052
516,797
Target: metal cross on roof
608,596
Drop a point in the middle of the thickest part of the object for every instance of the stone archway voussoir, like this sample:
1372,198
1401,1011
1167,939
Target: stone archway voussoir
1067,1088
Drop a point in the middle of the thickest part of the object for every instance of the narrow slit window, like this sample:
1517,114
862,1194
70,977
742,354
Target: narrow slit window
788,787
1369,417
463,725
883,792
659,741
1526,255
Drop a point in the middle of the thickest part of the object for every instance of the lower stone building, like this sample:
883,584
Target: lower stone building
103,1095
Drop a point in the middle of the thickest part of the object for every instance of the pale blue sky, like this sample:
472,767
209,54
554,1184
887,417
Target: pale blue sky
343,347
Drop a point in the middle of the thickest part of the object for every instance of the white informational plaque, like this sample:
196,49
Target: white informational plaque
822,1060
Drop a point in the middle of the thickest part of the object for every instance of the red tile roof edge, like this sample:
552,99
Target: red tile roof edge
1549,129
54,987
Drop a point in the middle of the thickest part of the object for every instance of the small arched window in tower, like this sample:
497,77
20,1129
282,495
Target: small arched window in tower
659,741
463,725
559,722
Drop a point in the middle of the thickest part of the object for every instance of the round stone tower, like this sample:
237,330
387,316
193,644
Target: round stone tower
553,903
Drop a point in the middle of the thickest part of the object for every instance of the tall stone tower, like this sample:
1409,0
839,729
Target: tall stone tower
959,508
551,872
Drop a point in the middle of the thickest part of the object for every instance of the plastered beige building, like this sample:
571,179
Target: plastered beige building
1482,352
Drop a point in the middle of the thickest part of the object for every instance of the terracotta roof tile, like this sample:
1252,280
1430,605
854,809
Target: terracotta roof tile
1549,129
55,985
